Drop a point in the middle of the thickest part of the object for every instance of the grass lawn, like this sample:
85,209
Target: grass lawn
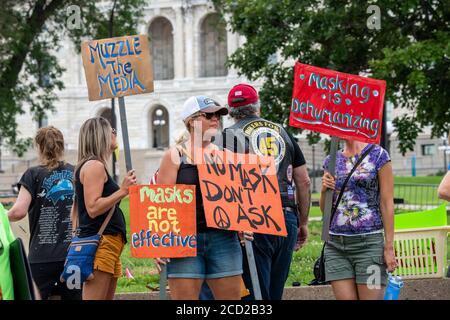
143,270
419,180
303,260
315,212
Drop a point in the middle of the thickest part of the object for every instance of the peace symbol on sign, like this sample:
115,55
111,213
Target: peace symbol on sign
221,218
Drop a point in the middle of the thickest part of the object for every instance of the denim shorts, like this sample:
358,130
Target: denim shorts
358,257
218,255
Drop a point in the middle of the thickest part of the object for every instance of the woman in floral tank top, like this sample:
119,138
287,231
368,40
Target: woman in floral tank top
360,250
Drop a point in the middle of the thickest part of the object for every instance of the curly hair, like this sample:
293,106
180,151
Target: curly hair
244,111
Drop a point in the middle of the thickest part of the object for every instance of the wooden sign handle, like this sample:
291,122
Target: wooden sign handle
124,126
253,271
329,193
127,151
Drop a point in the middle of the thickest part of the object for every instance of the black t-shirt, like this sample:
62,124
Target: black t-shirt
90,226
299,159
49,212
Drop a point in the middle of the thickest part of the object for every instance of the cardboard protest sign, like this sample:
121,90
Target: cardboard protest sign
241,192
163,221
117,67
338,104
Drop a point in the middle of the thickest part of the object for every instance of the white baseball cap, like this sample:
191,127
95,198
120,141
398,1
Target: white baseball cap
201,103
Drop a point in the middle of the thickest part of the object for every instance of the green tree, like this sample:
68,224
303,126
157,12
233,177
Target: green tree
30,34
411,51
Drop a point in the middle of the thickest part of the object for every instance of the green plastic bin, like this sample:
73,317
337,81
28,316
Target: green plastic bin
436,217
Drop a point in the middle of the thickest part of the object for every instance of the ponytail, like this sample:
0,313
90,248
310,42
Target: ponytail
50,143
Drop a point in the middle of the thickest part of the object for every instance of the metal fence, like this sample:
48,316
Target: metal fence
415,197
410,197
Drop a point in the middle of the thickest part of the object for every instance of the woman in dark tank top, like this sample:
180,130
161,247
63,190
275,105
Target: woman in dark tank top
188,174
219,256
96,194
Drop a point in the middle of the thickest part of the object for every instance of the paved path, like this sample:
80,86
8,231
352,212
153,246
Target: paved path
423,289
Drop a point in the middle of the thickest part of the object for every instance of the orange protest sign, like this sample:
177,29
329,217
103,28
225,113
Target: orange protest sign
163,221
117,67
241,192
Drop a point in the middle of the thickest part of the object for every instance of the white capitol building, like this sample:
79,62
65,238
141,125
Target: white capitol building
189,50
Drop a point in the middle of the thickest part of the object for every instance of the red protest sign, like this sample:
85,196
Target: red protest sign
241,193
163,221
338,104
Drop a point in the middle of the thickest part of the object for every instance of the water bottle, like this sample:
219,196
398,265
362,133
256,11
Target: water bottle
395,283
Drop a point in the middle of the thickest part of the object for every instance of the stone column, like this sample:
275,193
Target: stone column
189,43
232,45
178,38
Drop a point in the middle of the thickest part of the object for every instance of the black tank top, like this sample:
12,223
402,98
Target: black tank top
188,174
88,226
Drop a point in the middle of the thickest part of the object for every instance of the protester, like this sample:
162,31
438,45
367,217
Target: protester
219,257
6,238
46,193
444,186
358,252
96,194
252,134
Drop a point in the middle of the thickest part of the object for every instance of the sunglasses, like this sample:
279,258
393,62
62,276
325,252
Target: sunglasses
209,116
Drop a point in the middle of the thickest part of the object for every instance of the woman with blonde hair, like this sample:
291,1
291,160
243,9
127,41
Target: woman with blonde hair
96,195
46,193
219,256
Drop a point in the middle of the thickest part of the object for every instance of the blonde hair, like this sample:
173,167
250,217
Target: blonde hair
50,143
185,136
94,141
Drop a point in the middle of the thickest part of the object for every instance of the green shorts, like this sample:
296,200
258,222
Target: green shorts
359,257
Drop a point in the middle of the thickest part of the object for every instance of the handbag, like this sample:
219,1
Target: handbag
81,252
319,265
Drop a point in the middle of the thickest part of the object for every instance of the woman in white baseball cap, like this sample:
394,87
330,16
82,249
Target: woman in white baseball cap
219,256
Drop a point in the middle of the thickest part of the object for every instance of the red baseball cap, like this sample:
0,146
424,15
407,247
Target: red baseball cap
241,95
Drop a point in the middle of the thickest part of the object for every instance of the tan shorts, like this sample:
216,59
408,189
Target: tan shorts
107,258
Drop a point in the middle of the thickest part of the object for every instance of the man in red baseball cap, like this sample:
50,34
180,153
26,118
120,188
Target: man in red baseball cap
252,134
241,95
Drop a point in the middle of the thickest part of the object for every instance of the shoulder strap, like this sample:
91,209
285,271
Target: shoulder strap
108,218
182,149
341,193
74,214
